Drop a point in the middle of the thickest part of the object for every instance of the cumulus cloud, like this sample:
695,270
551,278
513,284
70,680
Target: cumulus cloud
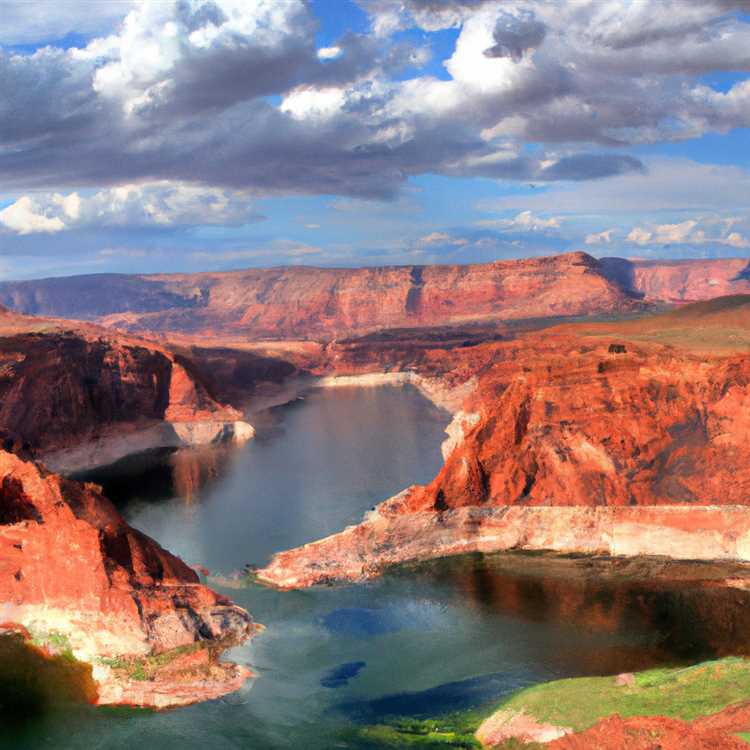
442,238
159,204
526,221
480,245
700,231
183,90
27,22
235,95
600,238
25,216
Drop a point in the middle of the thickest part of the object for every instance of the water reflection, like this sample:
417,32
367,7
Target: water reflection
681,610
159,475
192,469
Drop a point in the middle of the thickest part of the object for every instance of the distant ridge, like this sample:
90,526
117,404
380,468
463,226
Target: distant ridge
326,303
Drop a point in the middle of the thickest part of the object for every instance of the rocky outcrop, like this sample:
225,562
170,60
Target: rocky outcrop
76,579
650,733
392,534
578,446
82,396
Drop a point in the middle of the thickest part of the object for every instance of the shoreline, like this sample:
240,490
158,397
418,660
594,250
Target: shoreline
385,538
122,441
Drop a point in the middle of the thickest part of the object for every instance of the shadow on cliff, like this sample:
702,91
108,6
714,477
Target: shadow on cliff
621,272
32,684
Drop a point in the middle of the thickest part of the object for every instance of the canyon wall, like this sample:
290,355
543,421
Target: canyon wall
77,580
590,437
80,395
297,302
679,281
325,303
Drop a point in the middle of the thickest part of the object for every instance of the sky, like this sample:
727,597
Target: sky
184,135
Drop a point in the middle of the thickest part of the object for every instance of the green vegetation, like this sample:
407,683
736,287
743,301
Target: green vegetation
450,731
53,642
680,692
683,693
145,667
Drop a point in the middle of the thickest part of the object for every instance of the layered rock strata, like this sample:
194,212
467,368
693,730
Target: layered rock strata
81,396
323,303
595,439
76,579
286,303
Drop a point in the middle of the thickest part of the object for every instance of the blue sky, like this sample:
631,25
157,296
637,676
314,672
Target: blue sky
145,136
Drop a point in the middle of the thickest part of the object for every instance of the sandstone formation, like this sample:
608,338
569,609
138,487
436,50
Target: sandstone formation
76,579
650,733
620,438
80,395
591,438
296,302
325,303
679,280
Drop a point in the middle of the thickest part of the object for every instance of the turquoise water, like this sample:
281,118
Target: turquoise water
421,640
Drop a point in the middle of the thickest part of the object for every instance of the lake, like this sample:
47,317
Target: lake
421,640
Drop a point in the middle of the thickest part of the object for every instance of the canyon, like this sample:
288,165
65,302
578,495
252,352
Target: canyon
78,395
598,407
587,437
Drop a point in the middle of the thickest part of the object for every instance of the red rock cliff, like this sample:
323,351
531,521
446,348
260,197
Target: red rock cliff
592,437
75,576
679,281
64,385
324,303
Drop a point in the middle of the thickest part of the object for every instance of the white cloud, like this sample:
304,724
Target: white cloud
700,231
442,238
329,53
639,236
307,103
526,221
27,216
600,238
146,62
160,204
235,93
27,21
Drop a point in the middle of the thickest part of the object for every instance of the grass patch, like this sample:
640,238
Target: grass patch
679,692
144,668
451,731
683,693
53,642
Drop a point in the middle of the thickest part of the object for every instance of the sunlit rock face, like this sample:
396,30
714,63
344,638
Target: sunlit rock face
75,577
284,303
589,438
679,281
